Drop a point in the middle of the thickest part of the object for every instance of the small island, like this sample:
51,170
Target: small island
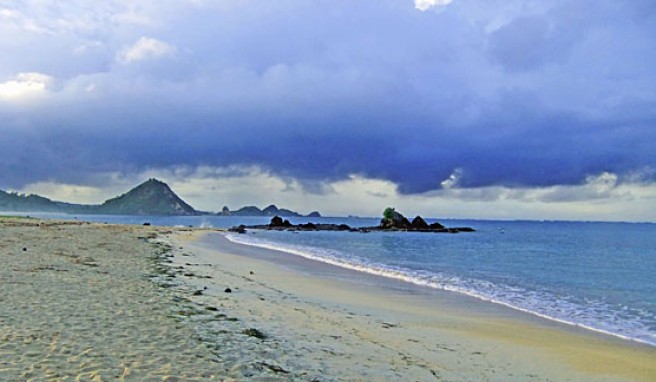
391,221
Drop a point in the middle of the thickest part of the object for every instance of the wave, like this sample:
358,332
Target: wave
618,321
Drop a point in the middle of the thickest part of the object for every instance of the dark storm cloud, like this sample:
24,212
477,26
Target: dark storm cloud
542,94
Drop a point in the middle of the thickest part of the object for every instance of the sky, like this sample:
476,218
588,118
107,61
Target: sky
493,109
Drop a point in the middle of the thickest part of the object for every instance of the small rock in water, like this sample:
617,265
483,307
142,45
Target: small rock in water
146,224
24,249
228,290
198,293
251,272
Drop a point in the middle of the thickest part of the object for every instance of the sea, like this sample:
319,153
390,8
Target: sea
595,275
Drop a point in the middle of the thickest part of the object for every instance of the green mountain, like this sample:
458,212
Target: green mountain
152,197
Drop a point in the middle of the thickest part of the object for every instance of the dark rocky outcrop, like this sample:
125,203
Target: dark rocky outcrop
392,221
419,223
278,222
436,226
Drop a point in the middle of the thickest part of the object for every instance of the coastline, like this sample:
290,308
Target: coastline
133,303
484,341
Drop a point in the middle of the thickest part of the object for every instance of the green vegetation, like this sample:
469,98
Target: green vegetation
152,197
388,214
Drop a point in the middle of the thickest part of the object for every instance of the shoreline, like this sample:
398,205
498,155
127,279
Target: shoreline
423,285
102,302
593,353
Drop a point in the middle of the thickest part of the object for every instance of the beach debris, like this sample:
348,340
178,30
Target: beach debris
228,290
274,368
252,332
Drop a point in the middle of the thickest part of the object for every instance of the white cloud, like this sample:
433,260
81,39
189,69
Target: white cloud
453,180
67,192
24,85
424,5
210,188
145,49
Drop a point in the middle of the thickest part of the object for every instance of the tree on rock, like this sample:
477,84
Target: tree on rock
393,220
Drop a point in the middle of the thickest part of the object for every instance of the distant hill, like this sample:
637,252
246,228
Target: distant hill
271,210
152,197
19,202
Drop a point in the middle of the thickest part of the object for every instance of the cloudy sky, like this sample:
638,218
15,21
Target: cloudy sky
449,108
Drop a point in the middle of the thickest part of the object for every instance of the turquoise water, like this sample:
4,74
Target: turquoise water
601,276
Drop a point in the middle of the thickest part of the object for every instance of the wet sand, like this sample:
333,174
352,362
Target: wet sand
358,327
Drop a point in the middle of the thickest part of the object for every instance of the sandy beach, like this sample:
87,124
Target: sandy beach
79,303
336,324
94,302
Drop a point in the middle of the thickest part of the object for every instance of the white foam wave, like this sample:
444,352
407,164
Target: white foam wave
594,316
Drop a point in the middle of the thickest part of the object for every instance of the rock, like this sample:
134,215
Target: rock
308,226
436,226
228,290
198,293
240,229
393,220
24,249
419,223
146,224
225,211
276,221
314,214
343,227
254,333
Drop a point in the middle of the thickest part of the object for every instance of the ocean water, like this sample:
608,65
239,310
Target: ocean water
601,276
